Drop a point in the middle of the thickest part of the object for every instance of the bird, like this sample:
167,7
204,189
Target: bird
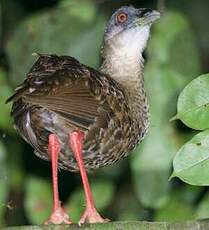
80,118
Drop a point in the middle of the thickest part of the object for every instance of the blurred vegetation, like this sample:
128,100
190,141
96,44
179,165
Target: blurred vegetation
137,188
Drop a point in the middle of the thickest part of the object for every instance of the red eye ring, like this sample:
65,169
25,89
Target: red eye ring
121,17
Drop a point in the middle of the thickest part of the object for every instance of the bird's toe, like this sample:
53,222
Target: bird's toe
59,216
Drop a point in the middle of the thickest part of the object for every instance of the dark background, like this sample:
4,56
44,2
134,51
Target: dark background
137,188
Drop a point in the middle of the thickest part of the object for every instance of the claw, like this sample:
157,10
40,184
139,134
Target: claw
91,215
59,216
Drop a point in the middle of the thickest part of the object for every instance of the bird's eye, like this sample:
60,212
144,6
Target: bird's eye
122,17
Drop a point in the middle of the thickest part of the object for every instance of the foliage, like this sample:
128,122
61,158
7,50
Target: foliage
164,81
136,188
36,205
191,162
5,92
103,192
3,182
193,104
203,208
80,39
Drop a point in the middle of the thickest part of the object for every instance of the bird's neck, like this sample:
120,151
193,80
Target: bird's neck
125,65
122,57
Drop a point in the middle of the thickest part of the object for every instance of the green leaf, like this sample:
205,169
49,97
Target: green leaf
202,210
15,164
166,73
75,205
103,191
151,176
84,11
80,36
38,200
126,207
175,210
5,92
3,183
193,103
170,45
189,194
181,204
191,162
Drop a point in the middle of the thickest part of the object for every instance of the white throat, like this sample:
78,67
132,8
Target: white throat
123,55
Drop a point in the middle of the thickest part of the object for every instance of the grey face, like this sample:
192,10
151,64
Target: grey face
127,17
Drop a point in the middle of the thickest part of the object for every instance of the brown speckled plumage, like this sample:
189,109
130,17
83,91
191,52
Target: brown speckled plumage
61,95
109,105
80,118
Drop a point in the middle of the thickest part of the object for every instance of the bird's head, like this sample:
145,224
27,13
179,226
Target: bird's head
130,27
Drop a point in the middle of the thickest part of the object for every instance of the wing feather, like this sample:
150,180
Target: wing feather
62,87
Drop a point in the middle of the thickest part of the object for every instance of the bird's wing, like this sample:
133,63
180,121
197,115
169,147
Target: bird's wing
62,85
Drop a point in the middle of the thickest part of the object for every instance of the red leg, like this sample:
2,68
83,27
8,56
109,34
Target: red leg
58,215
90,215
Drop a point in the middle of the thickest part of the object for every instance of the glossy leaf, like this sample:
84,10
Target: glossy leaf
164,81
193,103
38,200
191,162
165,77
77,29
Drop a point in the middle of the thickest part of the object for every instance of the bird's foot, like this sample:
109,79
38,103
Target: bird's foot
59,216
91,215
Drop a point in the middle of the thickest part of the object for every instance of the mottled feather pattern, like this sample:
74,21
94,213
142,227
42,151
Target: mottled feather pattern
61,95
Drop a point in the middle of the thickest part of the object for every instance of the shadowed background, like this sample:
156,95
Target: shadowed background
136,188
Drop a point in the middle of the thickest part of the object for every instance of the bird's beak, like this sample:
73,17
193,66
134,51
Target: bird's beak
147,16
